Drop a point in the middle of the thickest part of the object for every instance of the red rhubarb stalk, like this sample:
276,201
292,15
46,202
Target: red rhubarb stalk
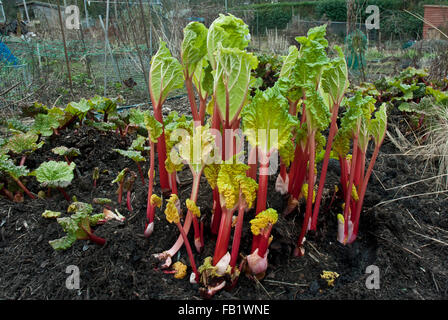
323,175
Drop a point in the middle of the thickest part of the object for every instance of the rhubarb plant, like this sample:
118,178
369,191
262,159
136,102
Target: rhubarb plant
120,179
137,157
195,151
105,106
78,226
261,226
67,153
172,215
165,76
237,192
55,174
193,51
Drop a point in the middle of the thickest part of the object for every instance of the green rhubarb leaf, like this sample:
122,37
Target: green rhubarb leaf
7,165
335,78
317,113
79,109
289,62
51,214
196,149
194,46
231,179
232,79
312,57
44,124
63,243
80,207
105,105
68,152
23,142
203,78
229,32
96,218
211,172
138,144
17,125
55,174
137,116
378,125
131,154
350,121
267,123
154,127
165,75
120,176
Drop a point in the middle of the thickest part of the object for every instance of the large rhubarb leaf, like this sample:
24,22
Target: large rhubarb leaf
232,78
131,154
267,123
229,32
335,78
55,174
194,46
23,142
165,75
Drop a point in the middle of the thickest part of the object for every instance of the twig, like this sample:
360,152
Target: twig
264,289
412,183
406,249
430,238
408,197
413,218
9,89
287,283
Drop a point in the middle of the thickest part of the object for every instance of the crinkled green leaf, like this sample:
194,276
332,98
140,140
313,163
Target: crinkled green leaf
194,46
63,243
55,174
131,154
232,78
231,179
120,176
289,62
317,113
64,151
378,125
229,32
165,75
196,149
267,123
79,109
105,105
51,214
44,124
8,166
335,78
154,127
23,142
137,116
203,79
139,144
95,218
15,124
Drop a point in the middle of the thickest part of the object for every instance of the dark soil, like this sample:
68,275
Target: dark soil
406,239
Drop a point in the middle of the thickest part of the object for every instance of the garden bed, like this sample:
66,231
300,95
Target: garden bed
395,236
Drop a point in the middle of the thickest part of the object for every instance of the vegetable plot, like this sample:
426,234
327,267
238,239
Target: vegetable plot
236,138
